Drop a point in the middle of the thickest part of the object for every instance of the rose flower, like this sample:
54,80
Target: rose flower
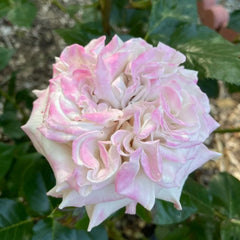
120,124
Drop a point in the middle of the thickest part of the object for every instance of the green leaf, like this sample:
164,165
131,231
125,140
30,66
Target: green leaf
98,233
49,229
225,191
209,86
197,228
230,230
22,13
144,213
186,32
163,31
173,232
206,51
12,181
81,34
178,10
34,187
174,32
213,60
234,22
199,196
10,122
6,55
4,7
22,160
26,97
6,158
43,230
203,227
14,223
165,213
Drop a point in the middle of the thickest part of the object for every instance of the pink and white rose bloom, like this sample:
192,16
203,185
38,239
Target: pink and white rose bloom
120,124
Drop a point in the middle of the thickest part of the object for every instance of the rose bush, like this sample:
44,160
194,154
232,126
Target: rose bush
120,124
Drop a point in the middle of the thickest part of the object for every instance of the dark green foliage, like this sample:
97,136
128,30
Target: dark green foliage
234,22
6,55
81,33
225,195
209,86
6,157
14,222
50,229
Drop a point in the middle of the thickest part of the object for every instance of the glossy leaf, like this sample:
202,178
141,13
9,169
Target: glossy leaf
43,230
187,31
179,10
49,229
225,191
6,158
6,55
199,196
165,213
207,52
144,213
14,223
234,22
173,32
163,31
34,186
14,181
213,60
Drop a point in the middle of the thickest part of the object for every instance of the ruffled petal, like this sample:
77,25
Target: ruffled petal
60,161
99,212
132,182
